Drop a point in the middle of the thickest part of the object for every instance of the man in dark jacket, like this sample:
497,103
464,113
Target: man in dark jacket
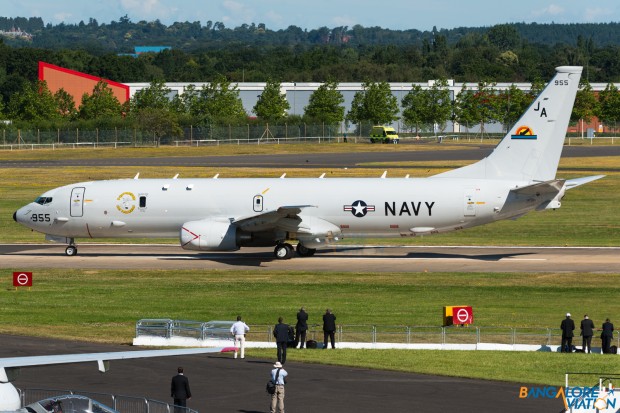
179,390
301,327
567,326
280,332
607,335
329,328
587,330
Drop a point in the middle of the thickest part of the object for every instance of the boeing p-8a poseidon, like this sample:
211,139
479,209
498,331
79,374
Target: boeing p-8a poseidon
226,214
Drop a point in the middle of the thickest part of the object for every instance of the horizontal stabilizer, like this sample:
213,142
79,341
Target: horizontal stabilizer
540,188
573,183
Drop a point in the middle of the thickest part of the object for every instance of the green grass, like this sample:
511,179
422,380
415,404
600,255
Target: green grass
103,306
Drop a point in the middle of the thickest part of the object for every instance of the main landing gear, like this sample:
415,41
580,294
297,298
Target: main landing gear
285,251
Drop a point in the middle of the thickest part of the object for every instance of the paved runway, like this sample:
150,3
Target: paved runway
222,384
308,160
340,258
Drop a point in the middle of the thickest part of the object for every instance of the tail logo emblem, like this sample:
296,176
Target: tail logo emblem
524,132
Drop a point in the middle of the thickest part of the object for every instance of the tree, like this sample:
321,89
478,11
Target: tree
155,96
218,101
504,37
439,105
100,104
608,109
159,123
585,103
414,107
375,103
34,104
271,105
325,104
65,104
510,104
464,112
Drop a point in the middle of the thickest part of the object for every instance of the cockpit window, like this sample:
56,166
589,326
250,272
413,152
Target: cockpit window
42,200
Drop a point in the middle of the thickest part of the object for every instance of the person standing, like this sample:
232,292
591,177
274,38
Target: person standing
587,330
238,330
329,328
278,377
280,332
301,327
607,335
567,326
179,390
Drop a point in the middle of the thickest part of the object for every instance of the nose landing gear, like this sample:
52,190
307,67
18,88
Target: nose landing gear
71,249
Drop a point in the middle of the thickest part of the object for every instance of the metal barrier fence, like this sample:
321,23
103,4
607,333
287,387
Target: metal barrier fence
191,136
124,404
366,333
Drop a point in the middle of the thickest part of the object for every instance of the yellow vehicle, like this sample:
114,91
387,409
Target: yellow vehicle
383,134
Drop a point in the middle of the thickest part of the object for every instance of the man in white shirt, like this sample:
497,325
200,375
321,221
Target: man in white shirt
278,376
238,330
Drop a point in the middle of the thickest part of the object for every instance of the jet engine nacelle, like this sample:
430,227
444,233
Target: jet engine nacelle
209,235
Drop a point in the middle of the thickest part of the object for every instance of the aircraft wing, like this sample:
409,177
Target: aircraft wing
271,219
10,366
102,358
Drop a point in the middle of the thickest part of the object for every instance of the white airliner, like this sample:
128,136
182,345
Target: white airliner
226,214
10,366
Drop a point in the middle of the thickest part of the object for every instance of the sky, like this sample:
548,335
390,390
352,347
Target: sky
279,14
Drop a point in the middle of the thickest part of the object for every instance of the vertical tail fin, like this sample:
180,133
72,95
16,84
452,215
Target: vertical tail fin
531,150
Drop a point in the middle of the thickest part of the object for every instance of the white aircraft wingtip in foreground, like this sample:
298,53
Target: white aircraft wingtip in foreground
9,367
226,214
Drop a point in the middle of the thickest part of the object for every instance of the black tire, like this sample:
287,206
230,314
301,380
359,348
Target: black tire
283,251
71,251
304,251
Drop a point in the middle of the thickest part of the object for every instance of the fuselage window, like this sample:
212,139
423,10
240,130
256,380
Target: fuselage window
142,202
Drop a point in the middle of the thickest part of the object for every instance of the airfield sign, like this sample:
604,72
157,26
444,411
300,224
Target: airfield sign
22,279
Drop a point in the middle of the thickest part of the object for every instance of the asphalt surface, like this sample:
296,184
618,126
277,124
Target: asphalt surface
318,160
222,384
337,259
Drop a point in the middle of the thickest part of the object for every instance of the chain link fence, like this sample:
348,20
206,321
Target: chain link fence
365,333
124,404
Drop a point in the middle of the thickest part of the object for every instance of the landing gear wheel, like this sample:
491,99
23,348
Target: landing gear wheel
71,250
304,251
283,251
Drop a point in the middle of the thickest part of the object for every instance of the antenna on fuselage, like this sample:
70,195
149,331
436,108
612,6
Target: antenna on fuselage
215,176
322,175
137,175
176,176
283,175
384,174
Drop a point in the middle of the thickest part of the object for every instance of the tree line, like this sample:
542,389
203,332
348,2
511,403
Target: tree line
252,53
421,110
